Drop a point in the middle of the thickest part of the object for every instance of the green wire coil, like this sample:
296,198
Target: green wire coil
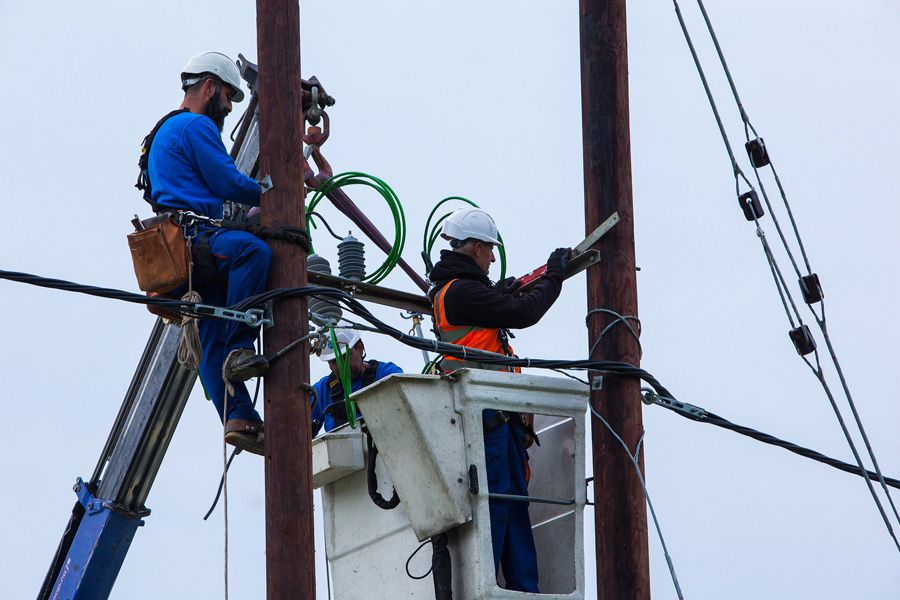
358,178
433,232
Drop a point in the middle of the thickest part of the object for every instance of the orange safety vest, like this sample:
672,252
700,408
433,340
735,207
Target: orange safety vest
482,338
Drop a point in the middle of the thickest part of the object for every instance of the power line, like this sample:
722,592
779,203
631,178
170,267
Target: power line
804,343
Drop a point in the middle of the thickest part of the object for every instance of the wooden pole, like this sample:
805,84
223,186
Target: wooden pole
620,511
290,549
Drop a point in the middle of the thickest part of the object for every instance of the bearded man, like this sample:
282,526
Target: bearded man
190,170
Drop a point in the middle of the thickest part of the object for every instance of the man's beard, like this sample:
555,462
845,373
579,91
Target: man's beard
215,110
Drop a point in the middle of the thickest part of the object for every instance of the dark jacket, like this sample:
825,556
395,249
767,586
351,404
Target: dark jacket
474,300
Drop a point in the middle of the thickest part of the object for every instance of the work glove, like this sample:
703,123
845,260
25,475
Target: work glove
507,286
558,261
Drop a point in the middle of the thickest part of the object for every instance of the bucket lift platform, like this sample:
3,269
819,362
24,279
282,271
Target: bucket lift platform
428,430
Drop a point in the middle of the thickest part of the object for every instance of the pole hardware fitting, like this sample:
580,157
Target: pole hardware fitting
473,479
756,150
803,340
690,411
255,317
314,114
597,383
811,288
751,206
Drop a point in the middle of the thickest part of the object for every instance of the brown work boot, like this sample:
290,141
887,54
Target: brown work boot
246,435
242,364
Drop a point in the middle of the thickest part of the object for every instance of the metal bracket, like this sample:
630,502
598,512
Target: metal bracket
94,505
255,317
597,383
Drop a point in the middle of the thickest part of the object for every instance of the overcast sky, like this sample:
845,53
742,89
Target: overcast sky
482,100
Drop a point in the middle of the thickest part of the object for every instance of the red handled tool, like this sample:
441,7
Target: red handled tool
582,255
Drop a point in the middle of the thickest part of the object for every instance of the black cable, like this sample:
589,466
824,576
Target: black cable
101,292
701,415
714,419
356,307
325,223
408,560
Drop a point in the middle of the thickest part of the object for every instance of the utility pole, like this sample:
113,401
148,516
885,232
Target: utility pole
290,557
620,513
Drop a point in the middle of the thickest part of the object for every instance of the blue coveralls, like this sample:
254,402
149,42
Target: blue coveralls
191,170
322,397
504,449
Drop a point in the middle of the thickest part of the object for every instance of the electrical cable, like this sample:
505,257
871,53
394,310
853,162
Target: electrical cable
408,560
701,415
357,178
343,366
312,214
781,285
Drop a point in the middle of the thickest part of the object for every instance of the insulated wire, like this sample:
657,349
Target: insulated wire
781,285
343,365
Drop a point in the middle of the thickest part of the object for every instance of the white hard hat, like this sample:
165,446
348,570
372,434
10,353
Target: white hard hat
219,65
468,223
346,339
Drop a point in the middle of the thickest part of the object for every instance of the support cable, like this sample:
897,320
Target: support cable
633,457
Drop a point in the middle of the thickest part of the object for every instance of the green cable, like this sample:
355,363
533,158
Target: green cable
432,233
431,364
357,178
344,377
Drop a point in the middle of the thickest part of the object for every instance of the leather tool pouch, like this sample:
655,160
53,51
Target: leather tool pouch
160,255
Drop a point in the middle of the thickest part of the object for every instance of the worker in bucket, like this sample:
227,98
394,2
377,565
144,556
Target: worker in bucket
190,170
470,310
329,407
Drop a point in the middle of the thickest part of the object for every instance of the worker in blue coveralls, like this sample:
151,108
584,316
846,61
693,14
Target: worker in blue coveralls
470,310
329,408
190,170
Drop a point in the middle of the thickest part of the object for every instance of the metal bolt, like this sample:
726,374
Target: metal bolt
453,421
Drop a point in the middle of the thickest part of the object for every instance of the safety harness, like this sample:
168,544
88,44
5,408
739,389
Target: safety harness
200,229
143,180
481,338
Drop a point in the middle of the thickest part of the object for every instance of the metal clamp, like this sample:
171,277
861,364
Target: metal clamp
689,410
255,317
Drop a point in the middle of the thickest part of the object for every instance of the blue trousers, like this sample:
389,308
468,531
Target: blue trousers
243,264
513,543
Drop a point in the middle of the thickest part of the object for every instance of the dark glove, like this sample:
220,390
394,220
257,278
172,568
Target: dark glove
507,286
558,261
